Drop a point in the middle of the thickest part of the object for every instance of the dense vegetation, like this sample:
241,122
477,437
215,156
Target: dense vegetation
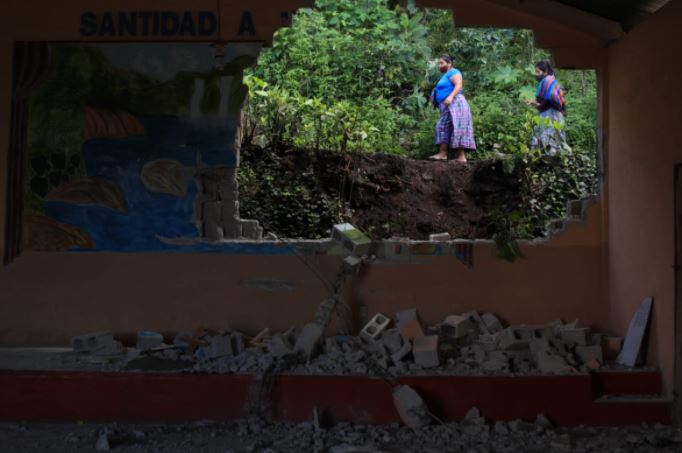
355,76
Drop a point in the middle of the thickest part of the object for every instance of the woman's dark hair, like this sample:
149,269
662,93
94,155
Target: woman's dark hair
446,58
545,67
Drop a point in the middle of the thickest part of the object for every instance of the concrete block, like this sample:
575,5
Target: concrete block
411,407
352,262
515,337
492,324
90,342
251,229
551,363
587,353
537,346
309,340
406,315
391,340
474,352
211,211
457,326
411,329
148,340
352,239
425,351
237,343
477,321
220,346
375,327
497,362
439,237
402,353
611,347
575,335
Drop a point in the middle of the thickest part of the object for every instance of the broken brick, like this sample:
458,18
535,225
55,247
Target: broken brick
611,347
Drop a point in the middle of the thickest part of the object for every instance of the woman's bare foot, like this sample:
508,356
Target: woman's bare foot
461,157
439,156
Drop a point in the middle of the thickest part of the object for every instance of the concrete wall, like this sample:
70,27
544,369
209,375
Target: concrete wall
47,297
645,143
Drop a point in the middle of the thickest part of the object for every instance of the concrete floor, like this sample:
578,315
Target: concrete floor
256,435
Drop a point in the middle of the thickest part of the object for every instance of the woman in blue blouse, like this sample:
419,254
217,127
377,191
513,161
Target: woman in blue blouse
455,129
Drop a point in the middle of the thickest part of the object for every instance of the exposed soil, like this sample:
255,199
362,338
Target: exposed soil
395,196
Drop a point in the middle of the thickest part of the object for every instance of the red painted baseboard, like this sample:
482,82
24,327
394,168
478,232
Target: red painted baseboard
72,396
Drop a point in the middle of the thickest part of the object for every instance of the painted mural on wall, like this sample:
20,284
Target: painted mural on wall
130,144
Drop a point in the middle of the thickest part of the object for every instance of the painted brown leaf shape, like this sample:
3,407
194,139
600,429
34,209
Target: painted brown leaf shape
165,176
90,190
41,233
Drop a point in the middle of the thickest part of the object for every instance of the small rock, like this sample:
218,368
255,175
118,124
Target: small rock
103,443
542,421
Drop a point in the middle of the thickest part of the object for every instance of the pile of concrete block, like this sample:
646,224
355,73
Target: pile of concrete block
469,343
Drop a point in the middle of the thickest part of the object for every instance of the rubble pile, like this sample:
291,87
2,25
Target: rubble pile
255,434
464,344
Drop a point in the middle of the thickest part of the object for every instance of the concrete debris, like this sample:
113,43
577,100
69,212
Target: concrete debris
148,340
411,329
611,347
183,340
256,434
411,407
575,335
473,417
492,324
352,261
425,351
279,346
542,422
462,344
354,240
406,315
457,326
375,327
552,363
588,353
92,342
309,340
102,443
439,237
402,353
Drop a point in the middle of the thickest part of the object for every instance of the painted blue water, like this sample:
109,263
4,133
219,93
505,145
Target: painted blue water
152,215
